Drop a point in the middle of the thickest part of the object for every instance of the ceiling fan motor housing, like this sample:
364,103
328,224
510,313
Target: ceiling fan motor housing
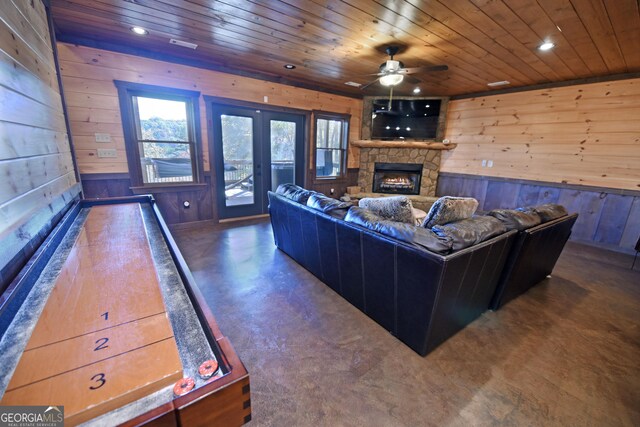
391,66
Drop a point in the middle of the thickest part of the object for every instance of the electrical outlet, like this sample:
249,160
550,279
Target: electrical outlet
107,152
333,190
490,163
484,163
266,98
103,137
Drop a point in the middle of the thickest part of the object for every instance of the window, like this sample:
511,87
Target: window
162,134
332,132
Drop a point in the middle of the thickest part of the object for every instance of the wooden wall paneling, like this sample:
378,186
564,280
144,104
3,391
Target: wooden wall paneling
18,140
584,134
528,195
36,165
474,188
613,217
548,195
631,232
501,195
589,204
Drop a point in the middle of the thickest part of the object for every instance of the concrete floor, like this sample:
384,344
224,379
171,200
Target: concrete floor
566,353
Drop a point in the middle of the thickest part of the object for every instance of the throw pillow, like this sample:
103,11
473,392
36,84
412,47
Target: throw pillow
516,220
396,208
471,231
448,209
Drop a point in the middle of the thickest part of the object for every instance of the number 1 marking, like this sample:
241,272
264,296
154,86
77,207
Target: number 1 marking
105,315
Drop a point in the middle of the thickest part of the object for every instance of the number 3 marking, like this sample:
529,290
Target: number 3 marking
99,378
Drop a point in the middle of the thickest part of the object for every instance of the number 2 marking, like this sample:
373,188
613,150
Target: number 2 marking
99,378
105,315
101,344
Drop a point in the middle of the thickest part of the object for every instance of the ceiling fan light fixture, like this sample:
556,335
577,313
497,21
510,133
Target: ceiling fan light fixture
391,79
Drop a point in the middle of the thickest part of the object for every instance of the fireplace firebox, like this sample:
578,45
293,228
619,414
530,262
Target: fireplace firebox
397,178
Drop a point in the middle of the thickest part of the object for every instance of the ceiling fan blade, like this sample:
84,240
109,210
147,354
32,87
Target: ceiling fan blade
412,80
424,69
363,87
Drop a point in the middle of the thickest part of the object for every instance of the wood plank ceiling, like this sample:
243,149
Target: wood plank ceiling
331,42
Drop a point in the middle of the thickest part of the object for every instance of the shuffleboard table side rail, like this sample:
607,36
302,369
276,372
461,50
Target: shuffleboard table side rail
15,294
195,405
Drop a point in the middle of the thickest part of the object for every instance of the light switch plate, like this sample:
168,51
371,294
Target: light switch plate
490,163
107,152
103,137
484,163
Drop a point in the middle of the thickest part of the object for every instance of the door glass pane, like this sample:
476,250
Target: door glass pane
283,150
237,153
165,162
162,119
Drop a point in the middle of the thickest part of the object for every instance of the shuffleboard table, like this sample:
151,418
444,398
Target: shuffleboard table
107,321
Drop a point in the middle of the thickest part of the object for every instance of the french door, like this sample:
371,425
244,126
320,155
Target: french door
254,151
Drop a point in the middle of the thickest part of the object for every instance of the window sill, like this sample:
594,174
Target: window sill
152,189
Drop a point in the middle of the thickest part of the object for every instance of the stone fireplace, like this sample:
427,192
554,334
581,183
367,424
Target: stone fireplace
428,159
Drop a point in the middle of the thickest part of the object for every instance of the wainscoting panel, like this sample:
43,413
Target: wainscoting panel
170,202
608,217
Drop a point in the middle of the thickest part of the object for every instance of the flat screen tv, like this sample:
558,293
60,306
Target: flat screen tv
415,119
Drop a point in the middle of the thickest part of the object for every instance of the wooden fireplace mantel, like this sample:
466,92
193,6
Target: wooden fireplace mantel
374,143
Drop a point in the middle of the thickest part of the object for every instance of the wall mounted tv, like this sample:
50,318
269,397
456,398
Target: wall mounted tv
414,119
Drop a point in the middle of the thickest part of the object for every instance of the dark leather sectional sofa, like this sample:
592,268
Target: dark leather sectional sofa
394,273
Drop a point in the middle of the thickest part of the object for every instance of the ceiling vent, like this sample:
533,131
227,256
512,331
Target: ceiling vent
183,44
500,83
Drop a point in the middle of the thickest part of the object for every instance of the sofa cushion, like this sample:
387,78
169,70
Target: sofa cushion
515,219
471,231
550,211
333,207
396,208
448,209
399,230
295,193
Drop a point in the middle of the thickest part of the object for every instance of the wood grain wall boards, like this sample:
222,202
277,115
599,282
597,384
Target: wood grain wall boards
35,157
93,107
583,134
607,217
332,42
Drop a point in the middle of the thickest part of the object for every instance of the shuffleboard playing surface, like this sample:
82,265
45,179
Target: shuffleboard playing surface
103,339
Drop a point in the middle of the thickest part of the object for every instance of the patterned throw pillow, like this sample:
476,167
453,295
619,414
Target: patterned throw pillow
396,208
448,209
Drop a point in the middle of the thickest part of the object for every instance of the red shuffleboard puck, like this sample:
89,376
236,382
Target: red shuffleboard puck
183,386
208,368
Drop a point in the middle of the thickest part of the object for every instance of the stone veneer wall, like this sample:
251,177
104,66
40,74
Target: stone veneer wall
429,158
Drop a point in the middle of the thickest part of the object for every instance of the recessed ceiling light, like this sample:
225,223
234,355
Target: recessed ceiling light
289,66
416,90
500,83
354,84
546,46
139,31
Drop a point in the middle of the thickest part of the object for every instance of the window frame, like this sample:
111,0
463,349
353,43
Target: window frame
346,120
130,124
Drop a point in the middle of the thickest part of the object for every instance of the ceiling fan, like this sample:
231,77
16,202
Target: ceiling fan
392,72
